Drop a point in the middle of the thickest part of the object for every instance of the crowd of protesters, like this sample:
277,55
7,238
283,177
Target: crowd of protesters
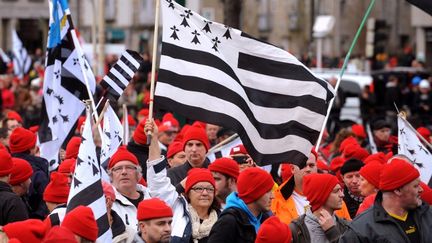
167,190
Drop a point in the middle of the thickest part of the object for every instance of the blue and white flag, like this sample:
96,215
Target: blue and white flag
64,83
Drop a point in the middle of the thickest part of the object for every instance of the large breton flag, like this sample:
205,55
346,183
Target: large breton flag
86,187
217,74
119,76
409,144
21,59
64,84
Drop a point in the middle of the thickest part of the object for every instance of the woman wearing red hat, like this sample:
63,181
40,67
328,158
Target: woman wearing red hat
195,212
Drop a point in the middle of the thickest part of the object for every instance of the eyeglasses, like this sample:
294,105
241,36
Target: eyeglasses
201,189
128,168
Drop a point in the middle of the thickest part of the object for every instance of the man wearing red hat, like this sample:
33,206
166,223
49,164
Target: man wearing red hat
240,154
246,209
138,146
155,218
290,201
175,154
56,196
30,230
82,223
195,145
22,144
273,230
20,177
12,207
225,172
125,173
398,214
320,223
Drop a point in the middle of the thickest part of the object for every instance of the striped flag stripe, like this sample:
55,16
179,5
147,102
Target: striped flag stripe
120,75
235,92
271,148
258,97
112,83
191,100
261,116
86,196
126,68
103,228
131,58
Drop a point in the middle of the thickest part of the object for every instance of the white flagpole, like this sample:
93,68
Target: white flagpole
221,144
153,71
125,125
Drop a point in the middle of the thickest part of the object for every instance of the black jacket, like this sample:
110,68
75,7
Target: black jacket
300,232
177,174
12,208
141,152
376,225
233,226
39,180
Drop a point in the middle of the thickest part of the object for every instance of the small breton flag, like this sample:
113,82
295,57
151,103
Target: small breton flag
121,74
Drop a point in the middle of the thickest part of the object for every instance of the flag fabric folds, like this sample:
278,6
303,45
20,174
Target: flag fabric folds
119,76
217,74
4,57
112,136
224,150
64,83
411,146
86,187
21,59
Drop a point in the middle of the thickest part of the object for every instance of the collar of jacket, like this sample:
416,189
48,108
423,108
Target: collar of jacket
5,187
123,200
380,215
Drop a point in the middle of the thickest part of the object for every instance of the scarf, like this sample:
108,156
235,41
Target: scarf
201,230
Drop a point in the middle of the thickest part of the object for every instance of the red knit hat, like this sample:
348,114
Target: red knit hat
152,209
34,129
354,151
108,190
195,133
347,141
286,171
169,120
59,234
57,190
239,149
6,163
322,165
253,183
144,112
139,136
273,230
424,132
426,194
174,148
225,166
21,140
358,130
324,182
81,221
378,157
196,175
392,177
72,148
13,115
21,171
336,164
81,121
371,172
30,230
122,154
131,121
65,166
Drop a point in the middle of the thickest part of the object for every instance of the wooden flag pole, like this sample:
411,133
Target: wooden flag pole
102,114
227,140
153,71
347,57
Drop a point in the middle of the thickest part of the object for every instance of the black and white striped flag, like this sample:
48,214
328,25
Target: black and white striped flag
121,74
213,73
21,59
64,83
409,144
86,187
